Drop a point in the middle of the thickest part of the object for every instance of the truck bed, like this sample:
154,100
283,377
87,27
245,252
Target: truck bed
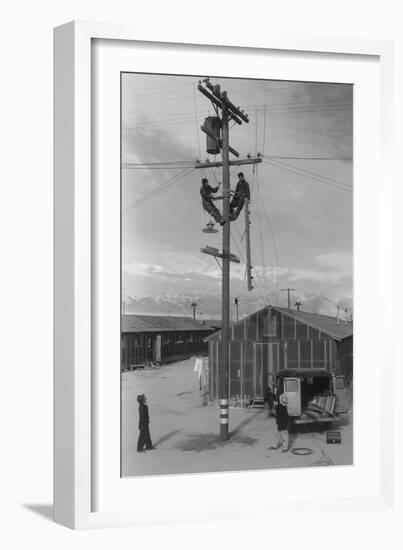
305,419
320,409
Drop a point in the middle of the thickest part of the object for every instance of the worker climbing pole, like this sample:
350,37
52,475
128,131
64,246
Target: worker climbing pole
218,140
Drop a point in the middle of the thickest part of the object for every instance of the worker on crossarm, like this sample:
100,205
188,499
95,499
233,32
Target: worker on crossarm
206,192
242,192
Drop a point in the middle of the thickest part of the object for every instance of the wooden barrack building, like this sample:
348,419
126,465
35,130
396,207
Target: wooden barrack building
149,339
274,339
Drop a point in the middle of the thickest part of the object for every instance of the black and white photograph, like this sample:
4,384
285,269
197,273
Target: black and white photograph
236,274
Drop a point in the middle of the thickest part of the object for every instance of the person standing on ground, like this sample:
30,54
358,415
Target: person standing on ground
281,436
206,192
242,192
144,421
269,399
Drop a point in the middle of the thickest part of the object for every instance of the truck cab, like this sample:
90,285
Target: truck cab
314,395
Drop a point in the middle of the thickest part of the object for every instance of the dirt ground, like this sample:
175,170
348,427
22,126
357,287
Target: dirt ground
185,433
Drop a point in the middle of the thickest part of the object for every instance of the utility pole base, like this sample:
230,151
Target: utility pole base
224,419
224,435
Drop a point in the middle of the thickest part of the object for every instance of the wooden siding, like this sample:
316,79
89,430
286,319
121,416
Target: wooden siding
269,341
272,324
141,348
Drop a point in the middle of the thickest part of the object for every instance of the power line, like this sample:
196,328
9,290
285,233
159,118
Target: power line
312,177
154,167
310,173
320,104
306,158
195,115
158,190
158,163
151,100
163,87
260,287
270,229
258,221
280,108
261,106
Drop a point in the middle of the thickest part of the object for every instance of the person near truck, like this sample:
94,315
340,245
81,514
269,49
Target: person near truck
144,439
281,437
269,398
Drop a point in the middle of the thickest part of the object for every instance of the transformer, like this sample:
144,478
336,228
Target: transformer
212,125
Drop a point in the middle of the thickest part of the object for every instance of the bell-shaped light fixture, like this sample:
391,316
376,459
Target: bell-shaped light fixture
209,228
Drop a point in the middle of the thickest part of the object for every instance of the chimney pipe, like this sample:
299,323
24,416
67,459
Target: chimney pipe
338,316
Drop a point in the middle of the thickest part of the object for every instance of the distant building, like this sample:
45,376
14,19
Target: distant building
274,339
215,323
158,339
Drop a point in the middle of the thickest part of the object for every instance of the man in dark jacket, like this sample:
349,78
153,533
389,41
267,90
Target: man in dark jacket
269,398
144,420
281,436
242,192
206,192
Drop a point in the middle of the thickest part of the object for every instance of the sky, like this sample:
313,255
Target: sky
301,196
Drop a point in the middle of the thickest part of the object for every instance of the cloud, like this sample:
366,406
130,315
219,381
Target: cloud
341,261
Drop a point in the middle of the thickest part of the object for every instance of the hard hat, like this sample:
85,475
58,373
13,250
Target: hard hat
283,399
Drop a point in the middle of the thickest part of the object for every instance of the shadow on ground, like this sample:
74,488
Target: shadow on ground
244,423
44,510
210,442
166,437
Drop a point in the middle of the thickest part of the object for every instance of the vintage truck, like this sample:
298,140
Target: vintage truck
314,395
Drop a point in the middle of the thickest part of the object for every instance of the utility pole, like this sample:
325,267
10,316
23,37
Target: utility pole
288,290
247,235
229,112
193,305
236,307
223,393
